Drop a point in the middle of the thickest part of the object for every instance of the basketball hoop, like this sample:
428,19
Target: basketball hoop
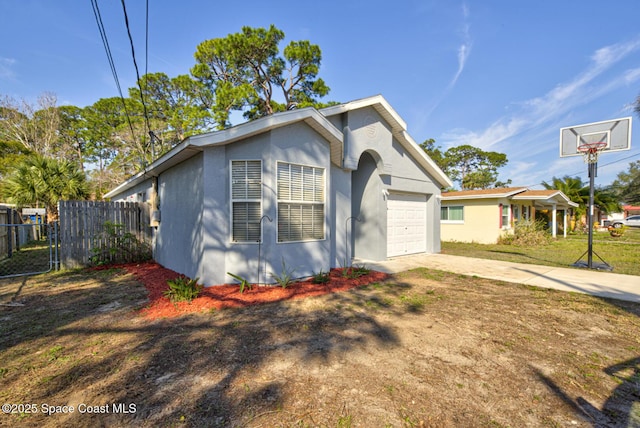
591,151
589,140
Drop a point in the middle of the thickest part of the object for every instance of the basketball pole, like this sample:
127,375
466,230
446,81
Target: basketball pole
593,170
591,157
590,140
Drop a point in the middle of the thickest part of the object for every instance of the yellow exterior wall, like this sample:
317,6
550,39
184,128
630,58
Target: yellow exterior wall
481,222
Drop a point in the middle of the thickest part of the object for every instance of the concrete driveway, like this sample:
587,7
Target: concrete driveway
589,281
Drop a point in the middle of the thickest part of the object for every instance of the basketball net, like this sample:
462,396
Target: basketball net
591,151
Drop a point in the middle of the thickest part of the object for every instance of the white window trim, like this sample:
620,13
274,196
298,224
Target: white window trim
506,225
324,203
231,201
453,221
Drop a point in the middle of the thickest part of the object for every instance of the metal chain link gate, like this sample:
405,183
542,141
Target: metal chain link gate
28,249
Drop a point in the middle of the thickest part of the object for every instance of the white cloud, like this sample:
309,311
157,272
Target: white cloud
499,131
6,65
608,55
520,172
464,50
544,111
631,76
528,135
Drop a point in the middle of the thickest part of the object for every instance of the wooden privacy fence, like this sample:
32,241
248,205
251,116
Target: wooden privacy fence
95,228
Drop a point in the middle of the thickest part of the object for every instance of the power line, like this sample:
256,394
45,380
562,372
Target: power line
580,173
135,64
105,43
621,159
146,44
152,136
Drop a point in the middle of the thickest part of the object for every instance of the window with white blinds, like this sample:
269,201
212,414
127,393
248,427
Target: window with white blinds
300,202
246,200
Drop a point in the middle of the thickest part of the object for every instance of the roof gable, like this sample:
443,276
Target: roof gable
309,115
546,196
195,144
316,119
398,130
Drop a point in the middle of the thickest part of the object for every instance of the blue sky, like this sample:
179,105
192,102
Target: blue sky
500,75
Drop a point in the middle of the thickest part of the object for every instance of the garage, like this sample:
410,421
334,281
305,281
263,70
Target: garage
406,224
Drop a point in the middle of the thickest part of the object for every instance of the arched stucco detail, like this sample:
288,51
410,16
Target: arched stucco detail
368,204
366,131
381,167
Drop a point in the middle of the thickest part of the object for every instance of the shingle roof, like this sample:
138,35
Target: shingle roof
519,193
484,193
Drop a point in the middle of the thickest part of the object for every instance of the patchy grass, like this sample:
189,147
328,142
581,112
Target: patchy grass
424,348
622,253
31,258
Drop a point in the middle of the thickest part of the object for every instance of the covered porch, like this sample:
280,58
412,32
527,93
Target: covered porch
551,200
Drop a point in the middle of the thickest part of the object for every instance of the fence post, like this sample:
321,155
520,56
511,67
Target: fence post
9,233
17,229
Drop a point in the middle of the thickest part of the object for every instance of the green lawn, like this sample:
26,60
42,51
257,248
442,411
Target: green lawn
622,253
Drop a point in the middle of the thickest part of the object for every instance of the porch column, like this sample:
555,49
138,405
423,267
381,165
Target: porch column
554,222
564,222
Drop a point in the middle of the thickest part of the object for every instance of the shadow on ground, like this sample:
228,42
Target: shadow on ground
198,369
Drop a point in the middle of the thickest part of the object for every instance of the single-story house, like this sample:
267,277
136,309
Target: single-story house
310,188
484,215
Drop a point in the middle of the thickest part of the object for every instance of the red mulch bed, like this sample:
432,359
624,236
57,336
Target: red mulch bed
154,277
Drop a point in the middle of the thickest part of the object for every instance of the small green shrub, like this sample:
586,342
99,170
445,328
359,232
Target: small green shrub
320,277
183,289
527,233
243,282
285,278
355,271
114,245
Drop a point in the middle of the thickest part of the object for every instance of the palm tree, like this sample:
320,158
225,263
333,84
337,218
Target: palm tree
578,192
43,181
573,188
606,200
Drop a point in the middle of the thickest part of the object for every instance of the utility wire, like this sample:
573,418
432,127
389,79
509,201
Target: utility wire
146,46
105,43
152,136
621,159
581,173
606,164
135,64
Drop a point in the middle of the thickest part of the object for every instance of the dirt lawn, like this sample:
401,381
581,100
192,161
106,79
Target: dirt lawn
423,348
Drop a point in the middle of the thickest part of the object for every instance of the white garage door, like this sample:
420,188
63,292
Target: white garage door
406,224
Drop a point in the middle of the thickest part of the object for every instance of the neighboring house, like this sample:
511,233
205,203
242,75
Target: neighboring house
484,215
631,210
312,188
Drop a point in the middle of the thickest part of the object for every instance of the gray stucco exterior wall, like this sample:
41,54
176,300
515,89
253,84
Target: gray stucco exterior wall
179,235
215,216
381,165
297,144
368,204
194,235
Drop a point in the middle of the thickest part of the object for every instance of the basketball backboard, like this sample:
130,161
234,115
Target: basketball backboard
615,133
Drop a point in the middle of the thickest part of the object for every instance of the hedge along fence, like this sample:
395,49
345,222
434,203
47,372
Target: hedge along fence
97,232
